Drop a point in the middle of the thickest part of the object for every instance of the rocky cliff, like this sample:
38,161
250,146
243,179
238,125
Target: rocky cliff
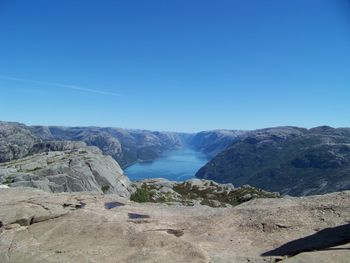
66,167
16,141
125,146
288,160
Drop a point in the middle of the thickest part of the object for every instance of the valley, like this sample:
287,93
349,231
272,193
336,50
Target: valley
175,165
174,131
288,160
66,183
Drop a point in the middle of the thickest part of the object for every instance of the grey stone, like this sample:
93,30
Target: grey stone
73,170
64,227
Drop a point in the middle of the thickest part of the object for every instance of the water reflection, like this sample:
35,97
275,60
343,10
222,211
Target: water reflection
177,165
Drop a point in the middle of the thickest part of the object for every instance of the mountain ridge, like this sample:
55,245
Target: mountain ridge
126,146
289,160
286,159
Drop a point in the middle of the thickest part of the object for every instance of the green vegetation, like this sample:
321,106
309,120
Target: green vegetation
216,196
105,188
187,194
141,195
9,180
150,193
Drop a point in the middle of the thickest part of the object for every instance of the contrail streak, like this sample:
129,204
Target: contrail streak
59,85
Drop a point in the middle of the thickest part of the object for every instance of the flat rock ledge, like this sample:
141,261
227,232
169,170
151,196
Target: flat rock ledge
37,226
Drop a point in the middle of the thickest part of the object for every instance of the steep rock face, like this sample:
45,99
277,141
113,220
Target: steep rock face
50,146
288,160
16,141
213,142
39,226
125,146
66,167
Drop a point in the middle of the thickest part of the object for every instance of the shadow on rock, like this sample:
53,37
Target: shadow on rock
322,240
137,216
111,205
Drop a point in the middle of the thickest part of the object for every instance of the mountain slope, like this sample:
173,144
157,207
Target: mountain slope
125,146
16,141
213,142
288,160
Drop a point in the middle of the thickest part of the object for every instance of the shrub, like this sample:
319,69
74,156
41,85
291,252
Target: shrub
141,195
105,188
9,180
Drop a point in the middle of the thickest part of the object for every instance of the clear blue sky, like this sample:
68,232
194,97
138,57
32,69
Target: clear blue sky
182,65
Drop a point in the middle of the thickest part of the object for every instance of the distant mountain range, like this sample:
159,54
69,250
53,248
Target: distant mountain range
289,160
126,146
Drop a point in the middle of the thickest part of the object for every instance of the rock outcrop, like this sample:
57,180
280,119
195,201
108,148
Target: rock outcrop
16,141
125,146
81,227
288,160
66,167
195,192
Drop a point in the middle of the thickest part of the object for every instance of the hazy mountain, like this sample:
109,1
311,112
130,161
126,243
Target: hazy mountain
16,141
213,142
289,160
125,146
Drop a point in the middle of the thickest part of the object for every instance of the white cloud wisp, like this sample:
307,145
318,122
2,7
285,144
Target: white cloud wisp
59,85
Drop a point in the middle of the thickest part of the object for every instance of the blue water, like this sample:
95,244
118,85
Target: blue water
177,165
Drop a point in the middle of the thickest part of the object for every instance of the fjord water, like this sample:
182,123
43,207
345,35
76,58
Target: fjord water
176,165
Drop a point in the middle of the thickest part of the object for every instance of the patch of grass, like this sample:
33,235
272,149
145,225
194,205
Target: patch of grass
105,188
141,195
9,180
149,193
210,195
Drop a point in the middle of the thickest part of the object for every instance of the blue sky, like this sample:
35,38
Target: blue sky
181,65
